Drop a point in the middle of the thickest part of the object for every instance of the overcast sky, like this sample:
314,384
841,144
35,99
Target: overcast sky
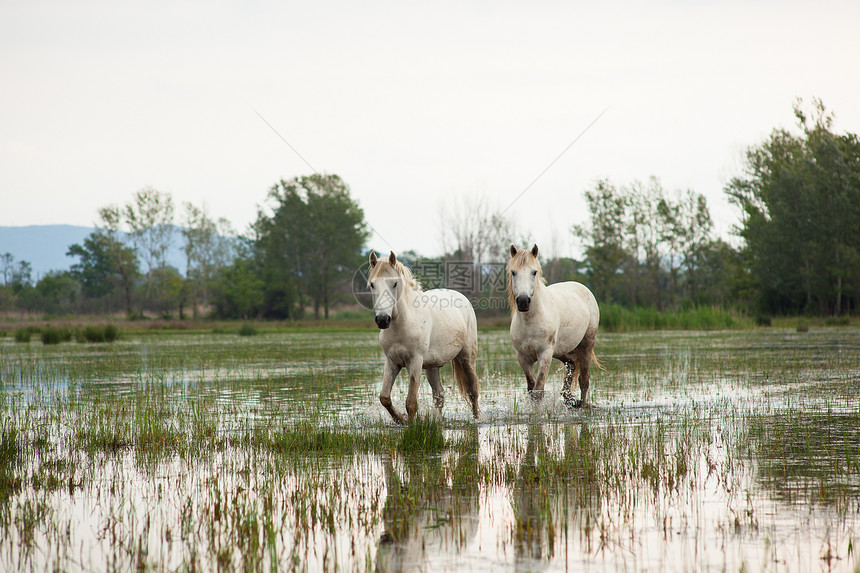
412,104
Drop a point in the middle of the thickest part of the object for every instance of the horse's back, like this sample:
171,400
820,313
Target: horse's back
578,312
576,294
453,322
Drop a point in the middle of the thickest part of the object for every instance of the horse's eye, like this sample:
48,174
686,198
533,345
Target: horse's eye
513,273
371,286
394,285
534,273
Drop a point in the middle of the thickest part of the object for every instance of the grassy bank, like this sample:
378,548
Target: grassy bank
613,318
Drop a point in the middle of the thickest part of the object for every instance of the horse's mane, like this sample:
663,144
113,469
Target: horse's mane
382,265
515,263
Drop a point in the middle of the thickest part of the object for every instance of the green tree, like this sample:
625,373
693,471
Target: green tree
7,265
605,252
208,247
17,281
646,247
686,232
149,216
122,257
56,293
310,244
105,268
22,276
800,200
239,290
645,243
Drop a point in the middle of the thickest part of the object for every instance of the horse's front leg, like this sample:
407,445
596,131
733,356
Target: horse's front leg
527,369
435,381
389,375
544,361
414,368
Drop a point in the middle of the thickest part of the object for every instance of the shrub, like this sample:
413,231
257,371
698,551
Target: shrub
23,335
52,335
94,334
111,333
837,321
247,330
107,333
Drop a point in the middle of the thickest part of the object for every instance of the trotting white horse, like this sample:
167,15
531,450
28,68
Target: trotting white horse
557,321
422,330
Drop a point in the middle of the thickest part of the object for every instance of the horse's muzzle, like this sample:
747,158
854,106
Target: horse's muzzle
383,321
523,302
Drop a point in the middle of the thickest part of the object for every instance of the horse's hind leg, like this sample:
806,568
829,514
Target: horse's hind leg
435,381
571,372
584,354
468,366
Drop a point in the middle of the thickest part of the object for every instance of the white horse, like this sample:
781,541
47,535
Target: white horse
422,330
557,321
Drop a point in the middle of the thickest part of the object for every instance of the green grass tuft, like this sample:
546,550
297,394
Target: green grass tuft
423,434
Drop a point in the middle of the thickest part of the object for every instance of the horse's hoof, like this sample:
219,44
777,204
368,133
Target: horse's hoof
571,402
536,395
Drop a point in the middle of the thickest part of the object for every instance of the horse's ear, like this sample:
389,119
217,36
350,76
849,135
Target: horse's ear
534,251
513,251
392,259
372,259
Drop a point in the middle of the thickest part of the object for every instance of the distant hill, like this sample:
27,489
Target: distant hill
45,246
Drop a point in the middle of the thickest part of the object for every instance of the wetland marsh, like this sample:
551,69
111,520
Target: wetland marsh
709,451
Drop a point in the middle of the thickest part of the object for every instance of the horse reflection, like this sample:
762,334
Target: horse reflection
556,492
431,507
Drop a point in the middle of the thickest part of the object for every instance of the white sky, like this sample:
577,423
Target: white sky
410,103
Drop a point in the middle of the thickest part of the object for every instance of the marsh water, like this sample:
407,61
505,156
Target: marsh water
707,451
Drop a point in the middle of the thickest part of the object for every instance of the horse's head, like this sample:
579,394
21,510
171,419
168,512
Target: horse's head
385,283
524,274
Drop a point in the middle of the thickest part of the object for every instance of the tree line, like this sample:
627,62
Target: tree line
642,245
122,265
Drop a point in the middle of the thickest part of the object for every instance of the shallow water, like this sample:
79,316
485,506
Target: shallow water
700,451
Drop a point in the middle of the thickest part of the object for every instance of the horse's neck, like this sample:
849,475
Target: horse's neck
405,305
540,303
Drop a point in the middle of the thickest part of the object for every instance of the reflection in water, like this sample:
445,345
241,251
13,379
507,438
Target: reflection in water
555,492
809,457
534,532
180,453
431,508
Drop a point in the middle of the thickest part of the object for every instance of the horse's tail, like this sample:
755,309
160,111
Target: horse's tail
468,387
460,377
596,362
